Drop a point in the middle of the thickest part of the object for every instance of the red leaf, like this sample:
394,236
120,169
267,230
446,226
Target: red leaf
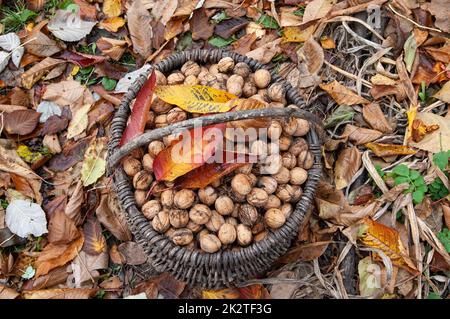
81,59
207,173
167,168
140,110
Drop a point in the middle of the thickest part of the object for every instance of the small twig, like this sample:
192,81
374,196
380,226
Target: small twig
412,21
8,239
356,9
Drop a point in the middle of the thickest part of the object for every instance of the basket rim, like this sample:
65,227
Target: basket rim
218,261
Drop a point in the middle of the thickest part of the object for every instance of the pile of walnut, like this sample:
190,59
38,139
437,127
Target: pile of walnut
243,206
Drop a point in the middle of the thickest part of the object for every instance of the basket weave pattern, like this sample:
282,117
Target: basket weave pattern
194,267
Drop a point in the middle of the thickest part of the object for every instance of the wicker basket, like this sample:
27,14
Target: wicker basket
197,268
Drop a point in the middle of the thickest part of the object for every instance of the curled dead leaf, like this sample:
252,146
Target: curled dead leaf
347,165
360,135
373,115
386,150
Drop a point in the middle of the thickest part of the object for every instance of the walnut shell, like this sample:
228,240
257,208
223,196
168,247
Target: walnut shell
298,146
241,184
142,180
210,243
257,197
175,78
298,176
272,164
200,214
243,235
262,78
302,127
290,126
273,202
160,107
151,208
284,142
160,78
235,84
166,198
207,195
305,159
184,198
225,64
286,209
274,218
215,221
248,215
242,69
224,205
154,147
191,80
178,218
195,228
176,115
283,176
160,222
131,166
182,237
249,89
141,197
227,234
268,184
289,160
190,68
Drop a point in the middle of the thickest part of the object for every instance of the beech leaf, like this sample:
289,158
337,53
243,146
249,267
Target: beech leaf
386,150
347,165
360,135
94,164
68,26
373,115
341,94
79,122
21,122
141,33
25,218
47,109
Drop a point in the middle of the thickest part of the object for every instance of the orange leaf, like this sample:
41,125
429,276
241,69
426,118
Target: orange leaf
140,111
249,104
63,293
112,24
227,293
420,129
253,292
376,235
386,150
185,155
57,255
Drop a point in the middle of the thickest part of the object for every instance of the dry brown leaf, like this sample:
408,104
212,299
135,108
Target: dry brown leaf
446,211
53,256
437,140
377,235
347,165
35,73
112,218
133,253
341,94
266,52
312,54
288,18
200,27
386,150
73,207
141,33
317,9
85,268
21,122
373,115
39,44
440,54
61,229
94,241
112,47
419,129
63,293
360,135
7,293
244,44
297,34
112,24
163,10
444,93
53,278
379,79
440,10
405,81
250,104
305,252
64,93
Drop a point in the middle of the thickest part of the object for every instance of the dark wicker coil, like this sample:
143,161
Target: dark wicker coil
223,268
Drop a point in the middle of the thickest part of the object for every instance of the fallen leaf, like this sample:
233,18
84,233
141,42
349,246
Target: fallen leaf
53,255
244,44
369,278
444,93
83,60
133,253
317,9
79,122
248,104
200,27
327,43
419,129
60,293
25,218
266,52
112,24
37,71
85,268
112,218
140,29
21,122
312,53
387,239
297,34
256,291
112,8
94,163
360,135
195,98
227,293
410,48
288,18
94,241
227,28
73,207
440,8
69,92
61,229
347,165
68,26
140,111
41,45
379,79
341,94
387,150
191,151
7,293
405,81
163,10
304,252
441,54
446,212
373,115
341,114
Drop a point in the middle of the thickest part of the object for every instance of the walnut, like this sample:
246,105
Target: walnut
231,220
155,147
142,180
215,222
248,214
243,235
227,234
245,169
224,205
190,68
298,176
200,214
305,159
274,131
160,107
151,208
225,64
285,142
268,184
161,222
290,126
210,243
286,209
262,78
141,197
302,127
298,146
274,218
161,121
176,115
184,198
289,160
167,198
235,84
262,235
272,164
242,69
182,237
207,195
191,80
178,218
175,78
222,78
249,89
131,166
207,79
289,193
259,148
277,92
283,176
160,78
195,228
273,202
214,69
241,184
257,197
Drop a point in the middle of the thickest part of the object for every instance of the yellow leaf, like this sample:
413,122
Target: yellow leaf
94,164
376,235
341,94
75,70
112,8
79,122
112,24
196,98
411,115
420,129
379,79
227,293
386,150
327,42
297,34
